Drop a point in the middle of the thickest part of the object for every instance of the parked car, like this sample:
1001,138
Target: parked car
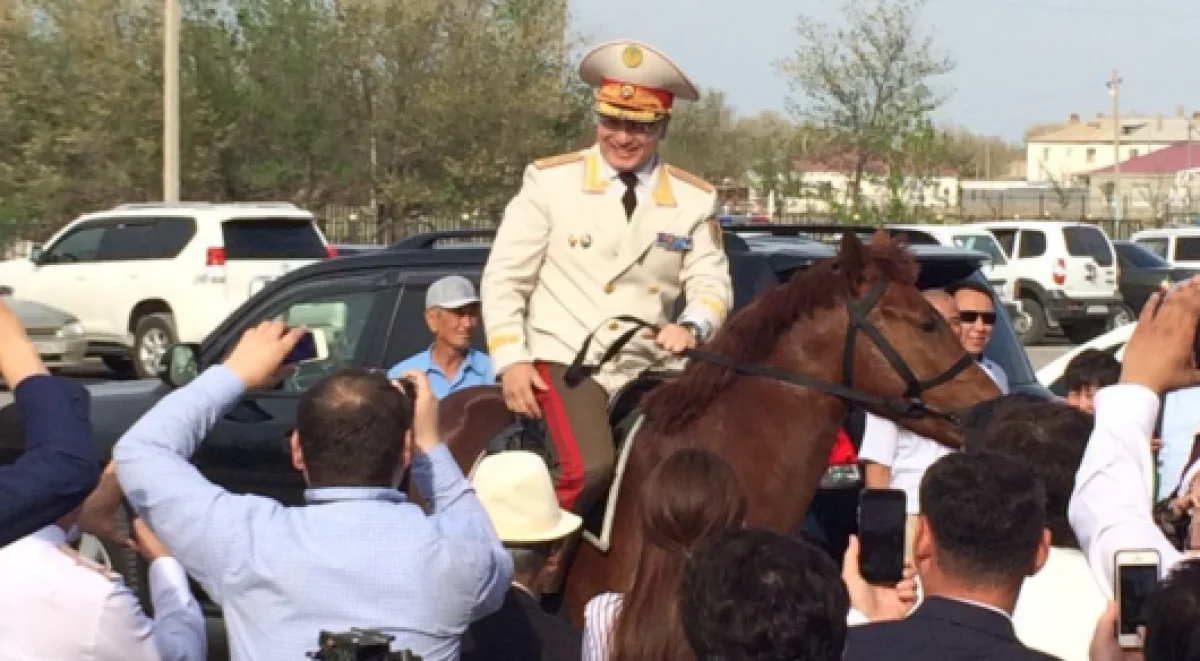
1143,272
1066,276
1178,245
371,308
140,277
58,336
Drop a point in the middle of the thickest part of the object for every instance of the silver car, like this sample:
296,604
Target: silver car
58,336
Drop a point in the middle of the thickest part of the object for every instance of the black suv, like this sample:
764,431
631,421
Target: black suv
371,307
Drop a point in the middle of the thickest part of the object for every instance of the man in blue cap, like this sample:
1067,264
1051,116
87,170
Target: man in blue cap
452,364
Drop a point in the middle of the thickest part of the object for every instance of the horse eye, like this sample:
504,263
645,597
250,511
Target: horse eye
929,325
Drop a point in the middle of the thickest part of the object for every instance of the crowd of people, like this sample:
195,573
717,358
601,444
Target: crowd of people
1010,544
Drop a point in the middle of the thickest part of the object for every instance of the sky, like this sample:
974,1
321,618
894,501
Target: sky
1020,62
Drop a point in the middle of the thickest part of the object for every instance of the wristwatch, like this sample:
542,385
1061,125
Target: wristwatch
694,328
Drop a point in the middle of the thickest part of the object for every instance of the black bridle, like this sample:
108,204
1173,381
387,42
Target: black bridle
910,404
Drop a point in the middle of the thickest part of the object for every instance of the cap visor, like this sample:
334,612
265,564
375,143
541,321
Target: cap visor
610,110
456,303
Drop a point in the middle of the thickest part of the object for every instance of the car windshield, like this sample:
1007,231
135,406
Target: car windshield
1140,257
984,243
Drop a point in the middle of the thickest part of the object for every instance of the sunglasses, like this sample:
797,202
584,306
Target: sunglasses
971,316
628,125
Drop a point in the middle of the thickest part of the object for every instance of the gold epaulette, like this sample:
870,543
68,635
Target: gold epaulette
688,177
561,159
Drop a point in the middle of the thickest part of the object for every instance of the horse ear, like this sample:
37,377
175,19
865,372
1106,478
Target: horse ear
881,238
852,257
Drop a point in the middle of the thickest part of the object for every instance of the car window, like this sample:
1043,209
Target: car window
1005,238
80,245
984,243
1088,241
1033,244
1156,245
272,238
1187,248
150,238
1138,256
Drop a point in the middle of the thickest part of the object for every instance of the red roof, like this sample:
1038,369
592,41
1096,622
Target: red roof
1167,160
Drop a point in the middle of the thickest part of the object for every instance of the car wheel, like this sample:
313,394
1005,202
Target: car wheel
1082,331
152,337
1122,315
121,366
1035,322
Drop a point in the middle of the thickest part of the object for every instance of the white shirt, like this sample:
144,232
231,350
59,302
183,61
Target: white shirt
908,455
57,606
1110,509
1059,606
644,184
599,619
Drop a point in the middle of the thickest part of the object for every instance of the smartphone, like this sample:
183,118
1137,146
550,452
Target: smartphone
312,346
1137,578
882,515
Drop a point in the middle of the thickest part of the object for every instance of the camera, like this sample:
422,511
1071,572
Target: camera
359,645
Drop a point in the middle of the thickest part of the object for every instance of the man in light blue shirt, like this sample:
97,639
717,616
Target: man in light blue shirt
359,554
452,313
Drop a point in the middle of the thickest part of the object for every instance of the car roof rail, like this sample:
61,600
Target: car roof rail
186,205
427,240
796,229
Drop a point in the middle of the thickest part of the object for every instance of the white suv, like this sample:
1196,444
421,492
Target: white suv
968,237
1065,275
140,277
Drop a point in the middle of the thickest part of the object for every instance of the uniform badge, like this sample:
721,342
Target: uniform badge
672,242
571,240
585,240
632,57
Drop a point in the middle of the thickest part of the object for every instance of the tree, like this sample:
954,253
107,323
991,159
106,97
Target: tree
867,81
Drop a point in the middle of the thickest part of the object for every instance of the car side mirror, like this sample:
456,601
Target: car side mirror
35,255
182,365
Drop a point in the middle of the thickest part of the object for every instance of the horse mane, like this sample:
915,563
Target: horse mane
751,334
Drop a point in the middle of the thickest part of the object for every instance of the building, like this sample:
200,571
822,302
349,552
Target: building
1160,185
1080,147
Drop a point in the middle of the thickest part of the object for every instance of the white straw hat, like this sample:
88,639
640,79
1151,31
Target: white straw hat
516,490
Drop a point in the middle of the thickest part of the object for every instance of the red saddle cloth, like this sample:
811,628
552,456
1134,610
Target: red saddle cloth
843,450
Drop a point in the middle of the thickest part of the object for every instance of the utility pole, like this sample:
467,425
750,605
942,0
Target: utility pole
1114,89
171,101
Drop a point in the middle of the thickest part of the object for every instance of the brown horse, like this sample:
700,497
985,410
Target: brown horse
775,434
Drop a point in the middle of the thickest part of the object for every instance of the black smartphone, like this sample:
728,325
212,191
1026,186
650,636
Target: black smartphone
882,514
1137,578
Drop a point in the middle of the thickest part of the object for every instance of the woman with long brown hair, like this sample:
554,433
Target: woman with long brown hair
688,498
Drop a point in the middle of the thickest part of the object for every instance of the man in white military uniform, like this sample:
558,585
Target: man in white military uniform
610,230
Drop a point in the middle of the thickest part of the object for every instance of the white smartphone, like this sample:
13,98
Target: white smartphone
313,346
1137,573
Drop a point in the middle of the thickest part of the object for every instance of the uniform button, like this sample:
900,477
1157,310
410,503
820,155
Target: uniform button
653,291
612,326
609,288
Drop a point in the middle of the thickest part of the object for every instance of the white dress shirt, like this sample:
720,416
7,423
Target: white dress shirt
908,455
1059,606
1110,509
57,606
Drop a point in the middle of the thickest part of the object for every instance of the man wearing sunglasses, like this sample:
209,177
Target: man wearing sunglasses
977,314
607,231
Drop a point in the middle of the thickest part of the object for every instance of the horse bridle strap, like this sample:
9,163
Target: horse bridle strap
909,405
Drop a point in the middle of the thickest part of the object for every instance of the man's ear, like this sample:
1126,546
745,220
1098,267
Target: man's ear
1043,552
923,542
297,453
431,319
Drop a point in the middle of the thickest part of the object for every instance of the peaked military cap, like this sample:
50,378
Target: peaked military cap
634,81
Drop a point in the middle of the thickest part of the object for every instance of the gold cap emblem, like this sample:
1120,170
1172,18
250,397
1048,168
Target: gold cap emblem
627,91
632,57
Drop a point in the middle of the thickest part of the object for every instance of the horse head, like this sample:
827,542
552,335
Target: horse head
903,344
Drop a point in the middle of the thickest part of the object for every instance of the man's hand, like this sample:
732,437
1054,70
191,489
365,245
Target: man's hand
98,516
1105,646
425,411
1159,356
147,543
258,356
519,383
673,337
18,357
878,603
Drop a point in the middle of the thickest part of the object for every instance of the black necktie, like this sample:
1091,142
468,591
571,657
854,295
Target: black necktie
629,199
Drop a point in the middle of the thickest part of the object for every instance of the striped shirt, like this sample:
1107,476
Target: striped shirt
600,617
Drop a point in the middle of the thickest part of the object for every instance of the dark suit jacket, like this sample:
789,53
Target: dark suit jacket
943,630
60,466
521,631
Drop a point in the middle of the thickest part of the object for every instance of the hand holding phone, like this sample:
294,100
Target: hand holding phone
1137,575
312,346
882,518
